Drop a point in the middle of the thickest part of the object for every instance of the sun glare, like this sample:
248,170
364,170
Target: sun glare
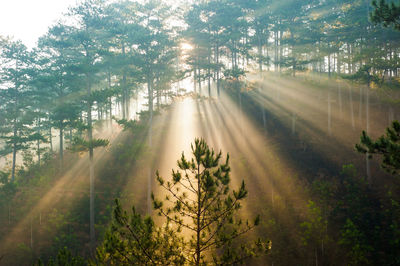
186,46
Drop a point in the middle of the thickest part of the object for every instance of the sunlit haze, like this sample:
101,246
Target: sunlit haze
199,132
27,20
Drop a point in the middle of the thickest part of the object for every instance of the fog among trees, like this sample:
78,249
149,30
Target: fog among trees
218,132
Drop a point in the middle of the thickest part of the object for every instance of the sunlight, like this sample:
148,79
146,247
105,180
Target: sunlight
69,189
330,110
104,110
186,46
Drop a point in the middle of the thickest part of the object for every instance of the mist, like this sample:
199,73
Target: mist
256,132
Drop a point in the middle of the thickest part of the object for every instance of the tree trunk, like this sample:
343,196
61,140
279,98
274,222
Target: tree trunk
61,151
199,74
329,113
209,65
38,150
194,80
91,163
217,61
51,140
280,51
340,98
14,157
198,217
351,108
110,99
276,51
124,89
360,105
149,181
329,63
368,166
260,55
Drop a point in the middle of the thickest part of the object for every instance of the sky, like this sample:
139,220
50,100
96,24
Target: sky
27,20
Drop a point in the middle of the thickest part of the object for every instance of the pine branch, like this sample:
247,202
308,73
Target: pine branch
216,242
221,215
176,221
140,246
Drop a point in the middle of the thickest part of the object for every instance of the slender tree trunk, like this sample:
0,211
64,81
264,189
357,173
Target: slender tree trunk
199,74
294,66
351,108
329,63
149,181
368,166
209,64
158,90
339,62
51,140
91,164
198,216
38,141
340,98
260,55
348,59
233,56
14,156
334,63
217,61
280,51
15,133
38,150
352,59
276,52
194,79
98,112
329,113
360,105
61,151
124,88
110,99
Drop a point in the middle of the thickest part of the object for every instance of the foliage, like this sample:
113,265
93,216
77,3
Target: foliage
133,240
130,125
201,204
315,227
199,201
80,145
355,243
386,13
388,146
63,258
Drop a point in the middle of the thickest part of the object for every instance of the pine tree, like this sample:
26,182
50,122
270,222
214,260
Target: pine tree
60,81
134,240
86,44
388,146
199,200
385,13
15,99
